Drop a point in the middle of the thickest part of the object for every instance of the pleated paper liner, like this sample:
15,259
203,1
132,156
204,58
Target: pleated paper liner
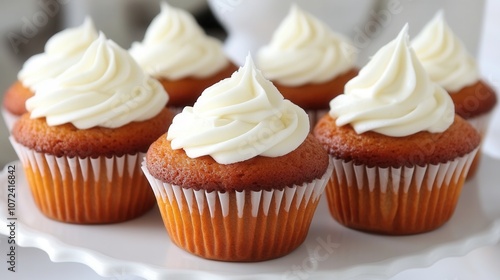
238,226
480,123
86,190
9,118
396,201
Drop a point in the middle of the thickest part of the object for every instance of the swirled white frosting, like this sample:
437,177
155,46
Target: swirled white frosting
305,50
444,55
61,51
176,47
105,88
393,95
239,118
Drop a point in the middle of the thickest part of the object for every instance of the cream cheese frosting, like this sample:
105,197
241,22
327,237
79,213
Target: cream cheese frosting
444,56
105,88
305,50
60,52
239,118
393,95
175,47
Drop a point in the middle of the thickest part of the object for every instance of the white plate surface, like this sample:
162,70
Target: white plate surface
142,248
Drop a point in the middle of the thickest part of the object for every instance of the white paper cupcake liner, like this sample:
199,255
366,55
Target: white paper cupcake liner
392,200
9,118
395,179
86,190
199,200
238,226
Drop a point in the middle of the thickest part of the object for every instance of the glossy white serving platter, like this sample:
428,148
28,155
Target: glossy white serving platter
141,247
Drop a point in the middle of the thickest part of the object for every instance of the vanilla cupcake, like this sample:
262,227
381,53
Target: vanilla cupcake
449,64
178,53
61,51
401,154
85,133
308,62
238,176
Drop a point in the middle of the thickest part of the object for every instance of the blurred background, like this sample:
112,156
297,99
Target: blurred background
243,25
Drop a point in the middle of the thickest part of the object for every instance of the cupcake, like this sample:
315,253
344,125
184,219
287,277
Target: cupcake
308,62
61,51
449,64
178,53
84,136
238,176
400,152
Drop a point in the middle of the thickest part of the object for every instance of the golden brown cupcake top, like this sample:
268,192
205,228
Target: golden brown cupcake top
305,164
375,149
67,140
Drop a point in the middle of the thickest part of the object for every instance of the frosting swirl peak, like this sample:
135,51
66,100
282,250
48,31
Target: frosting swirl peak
105,88
444,56
305,50
393,95
239,118
61,51
176,47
